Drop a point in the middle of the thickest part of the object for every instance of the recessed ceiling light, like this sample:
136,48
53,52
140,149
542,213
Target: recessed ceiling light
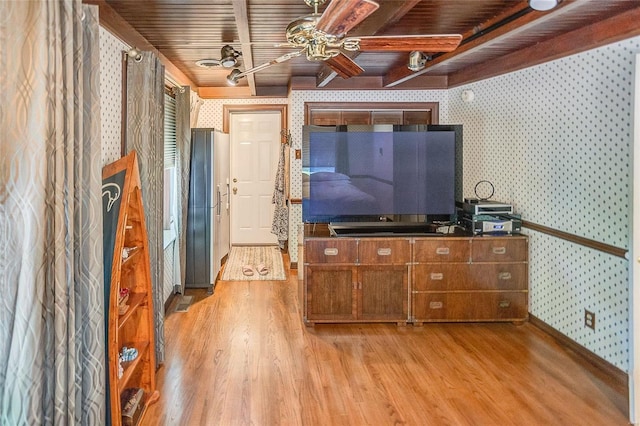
543,5
208,63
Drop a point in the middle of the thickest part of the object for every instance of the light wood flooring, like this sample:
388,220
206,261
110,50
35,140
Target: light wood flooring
244,357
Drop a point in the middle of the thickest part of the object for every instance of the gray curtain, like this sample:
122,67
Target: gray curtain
52,348
144,133
183,161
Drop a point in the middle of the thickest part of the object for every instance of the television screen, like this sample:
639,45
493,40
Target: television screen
368,172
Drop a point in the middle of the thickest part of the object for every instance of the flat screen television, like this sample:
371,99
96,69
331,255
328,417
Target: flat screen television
380,172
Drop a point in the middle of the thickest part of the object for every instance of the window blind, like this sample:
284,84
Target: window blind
169,131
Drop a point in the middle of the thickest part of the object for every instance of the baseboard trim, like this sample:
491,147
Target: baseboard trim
167,303
609,373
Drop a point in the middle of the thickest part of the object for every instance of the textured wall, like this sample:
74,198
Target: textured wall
110,95
211,111
555,140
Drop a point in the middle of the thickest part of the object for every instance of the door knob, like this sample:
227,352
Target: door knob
235,180
235,190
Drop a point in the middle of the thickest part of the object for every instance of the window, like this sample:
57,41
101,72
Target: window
170,151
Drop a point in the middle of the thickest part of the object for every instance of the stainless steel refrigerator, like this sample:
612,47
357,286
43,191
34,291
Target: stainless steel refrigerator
208,209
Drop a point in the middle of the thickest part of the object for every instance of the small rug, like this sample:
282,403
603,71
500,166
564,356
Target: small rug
240,256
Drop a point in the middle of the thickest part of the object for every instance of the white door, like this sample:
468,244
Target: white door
255,147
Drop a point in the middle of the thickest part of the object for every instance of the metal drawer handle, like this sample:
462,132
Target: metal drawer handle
331,251
435,305
442,250
384,251
499,250
437,276
504,304
504,276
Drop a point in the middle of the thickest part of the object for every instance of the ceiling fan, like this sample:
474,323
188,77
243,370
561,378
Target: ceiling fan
322,37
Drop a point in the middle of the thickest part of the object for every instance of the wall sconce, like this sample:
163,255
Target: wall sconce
134,54
417,61
543,5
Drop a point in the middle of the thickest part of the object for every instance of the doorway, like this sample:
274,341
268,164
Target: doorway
255,147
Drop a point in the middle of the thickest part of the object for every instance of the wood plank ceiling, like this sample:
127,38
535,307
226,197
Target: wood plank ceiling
498,36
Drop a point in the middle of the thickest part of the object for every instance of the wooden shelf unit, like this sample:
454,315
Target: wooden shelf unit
126,242
415,279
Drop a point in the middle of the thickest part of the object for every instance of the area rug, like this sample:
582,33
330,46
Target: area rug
241,256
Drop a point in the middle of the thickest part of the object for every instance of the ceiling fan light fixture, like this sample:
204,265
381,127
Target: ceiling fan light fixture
233,77
417,61
228,56
542,5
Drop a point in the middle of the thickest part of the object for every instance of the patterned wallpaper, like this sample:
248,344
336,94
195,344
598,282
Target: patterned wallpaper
110,95
554,139
556,142
210,114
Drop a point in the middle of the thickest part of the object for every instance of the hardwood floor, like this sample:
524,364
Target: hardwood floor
243,357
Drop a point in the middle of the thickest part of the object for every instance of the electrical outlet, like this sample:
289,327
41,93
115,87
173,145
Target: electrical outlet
590,319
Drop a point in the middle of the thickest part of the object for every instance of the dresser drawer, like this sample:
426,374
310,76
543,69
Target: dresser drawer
330,250
441,250
384,251
441,277
470,306
499,276
504,249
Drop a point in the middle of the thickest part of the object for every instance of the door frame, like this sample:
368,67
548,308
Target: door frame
227,110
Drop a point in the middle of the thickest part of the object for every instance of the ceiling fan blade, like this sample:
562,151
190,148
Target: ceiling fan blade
408,43
342,15
344,66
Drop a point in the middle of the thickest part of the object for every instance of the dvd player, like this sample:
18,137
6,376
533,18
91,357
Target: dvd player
488,224
486,207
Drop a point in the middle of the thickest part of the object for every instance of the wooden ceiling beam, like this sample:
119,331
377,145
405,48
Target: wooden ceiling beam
616,28
387,14
525,16
430,82
244,35
225,92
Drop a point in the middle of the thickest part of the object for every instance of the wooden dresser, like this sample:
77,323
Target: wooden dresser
415,279
481,278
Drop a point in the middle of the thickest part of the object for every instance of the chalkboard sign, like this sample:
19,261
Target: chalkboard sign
111,200
112,192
